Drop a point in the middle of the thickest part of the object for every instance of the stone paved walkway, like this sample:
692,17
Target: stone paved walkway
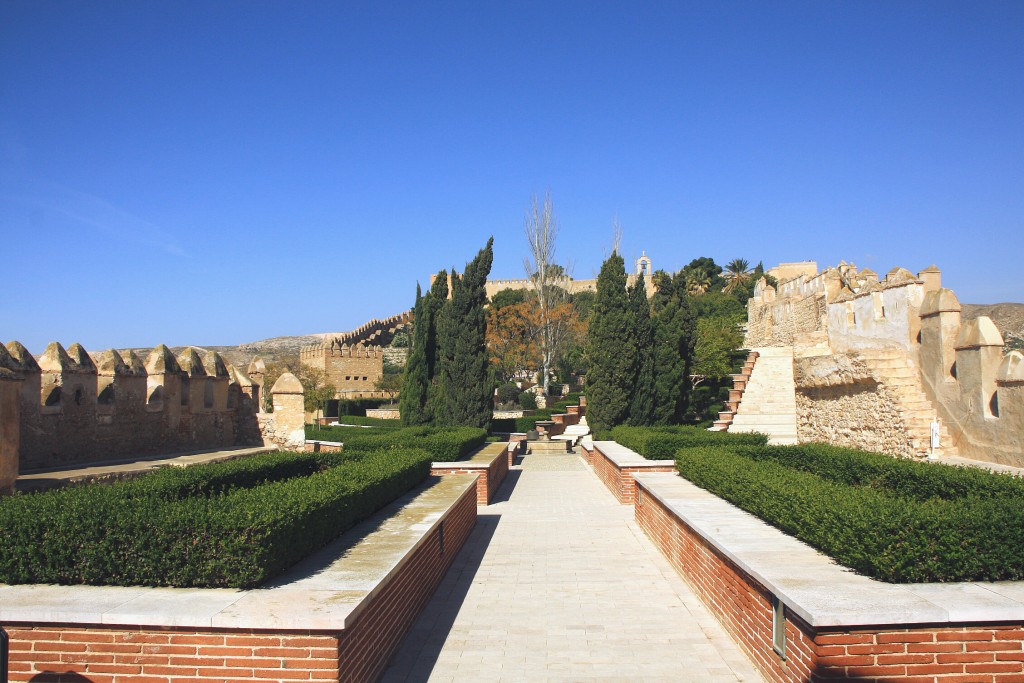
558,583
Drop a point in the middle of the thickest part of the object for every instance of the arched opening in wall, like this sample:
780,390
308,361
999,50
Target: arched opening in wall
53,398
877,305
918,338
208,393
184,391
106,397
156,396
79,395
952,370
993,405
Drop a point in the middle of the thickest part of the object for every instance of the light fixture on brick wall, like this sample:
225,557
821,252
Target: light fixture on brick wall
778,626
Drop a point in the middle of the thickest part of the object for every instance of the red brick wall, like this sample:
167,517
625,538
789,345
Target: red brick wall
116,655
43,652
489,478
915,653
619,480
364,649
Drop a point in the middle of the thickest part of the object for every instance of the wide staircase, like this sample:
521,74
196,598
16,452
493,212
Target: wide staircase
891,368
769,400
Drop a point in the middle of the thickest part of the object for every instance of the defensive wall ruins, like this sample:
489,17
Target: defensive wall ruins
878,359
69,408
569,284
354,362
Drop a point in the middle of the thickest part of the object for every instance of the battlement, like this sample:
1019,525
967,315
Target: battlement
71,407
904,323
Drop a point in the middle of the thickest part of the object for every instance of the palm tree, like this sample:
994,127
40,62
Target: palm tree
698,282
737,273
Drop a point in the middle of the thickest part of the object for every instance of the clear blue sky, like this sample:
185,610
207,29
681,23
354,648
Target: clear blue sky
218,173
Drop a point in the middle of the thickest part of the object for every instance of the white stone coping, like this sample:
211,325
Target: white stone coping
324,592
813,586
481,459
625,457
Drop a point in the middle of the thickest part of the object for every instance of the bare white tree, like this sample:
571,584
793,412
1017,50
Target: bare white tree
550,283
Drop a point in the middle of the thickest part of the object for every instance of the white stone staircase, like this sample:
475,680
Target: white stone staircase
768,405
892,368
574,433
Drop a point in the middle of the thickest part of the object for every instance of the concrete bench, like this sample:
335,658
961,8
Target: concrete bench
830,623
490,463
339,613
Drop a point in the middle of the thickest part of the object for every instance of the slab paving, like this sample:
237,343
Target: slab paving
558,583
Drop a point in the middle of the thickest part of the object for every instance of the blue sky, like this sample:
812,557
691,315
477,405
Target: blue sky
219,173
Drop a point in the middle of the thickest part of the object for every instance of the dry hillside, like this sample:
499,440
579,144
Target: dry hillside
1009,318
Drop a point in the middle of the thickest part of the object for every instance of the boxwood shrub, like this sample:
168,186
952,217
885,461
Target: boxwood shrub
903,477
233,524
881,532
661,443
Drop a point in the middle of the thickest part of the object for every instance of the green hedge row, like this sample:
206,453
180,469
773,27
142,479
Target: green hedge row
902,477
443,444
661,443
238,538
876,532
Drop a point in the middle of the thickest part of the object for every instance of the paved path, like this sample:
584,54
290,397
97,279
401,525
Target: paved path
558,583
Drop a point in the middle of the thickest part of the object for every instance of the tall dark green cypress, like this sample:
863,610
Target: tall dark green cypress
674,338
641,409
464,375
413,400
611,351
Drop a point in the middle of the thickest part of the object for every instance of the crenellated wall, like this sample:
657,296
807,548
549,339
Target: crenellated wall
68,407
920,362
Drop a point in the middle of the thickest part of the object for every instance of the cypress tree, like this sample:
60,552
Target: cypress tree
611,349
412,401
641,409
674,326
438,297
464,377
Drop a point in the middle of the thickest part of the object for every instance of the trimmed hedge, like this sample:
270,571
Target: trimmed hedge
878,532
661,443
907,478
233,524
105,535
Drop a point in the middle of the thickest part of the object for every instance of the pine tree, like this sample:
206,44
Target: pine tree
611,352
641,409
413,399
465,385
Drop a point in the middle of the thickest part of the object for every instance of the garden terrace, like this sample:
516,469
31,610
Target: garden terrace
490,463
338,615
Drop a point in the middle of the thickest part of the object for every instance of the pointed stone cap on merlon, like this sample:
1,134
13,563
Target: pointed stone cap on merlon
931,269
214,365
940,301
9,368
81,358
162,362
238,377
109,363
136,368
867,274
287,384
56,359
1011,370
191,364
257,366
25,360
898,277
977,333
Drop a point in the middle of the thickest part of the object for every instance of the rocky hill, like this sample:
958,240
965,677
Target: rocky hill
1009,318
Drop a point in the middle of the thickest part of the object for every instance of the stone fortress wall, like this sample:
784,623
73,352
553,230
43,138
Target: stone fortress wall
69,408
876,360
354,362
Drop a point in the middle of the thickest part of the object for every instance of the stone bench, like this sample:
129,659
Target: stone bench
338,614
616,466
830,623
489,463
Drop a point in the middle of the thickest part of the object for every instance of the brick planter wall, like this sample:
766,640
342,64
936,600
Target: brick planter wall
974,651
357,652
491,467
619,476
